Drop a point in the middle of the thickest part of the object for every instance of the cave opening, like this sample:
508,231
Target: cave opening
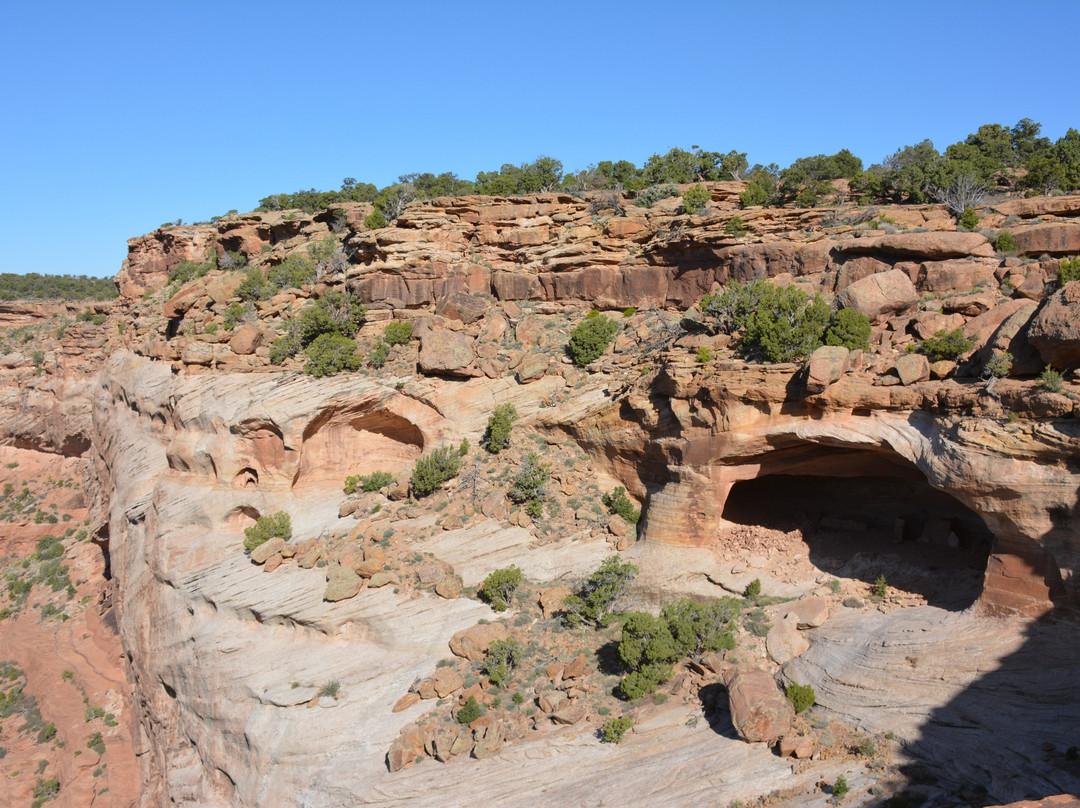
863,514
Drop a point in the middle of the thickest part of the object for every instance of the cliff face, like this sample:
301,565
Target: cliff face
189,433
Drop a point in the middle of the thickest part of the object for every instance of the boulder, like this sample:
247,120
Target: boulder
246,339
759,711
472,643
342,583
956,275
784,642
577,668
1055,329
930,246
808,613
912,368
880,294
446,682
571,714
448,352
827,364
551,600
461,306
533,366
551,700
449,587
405,749
1056,239
264,551
182,301
405,702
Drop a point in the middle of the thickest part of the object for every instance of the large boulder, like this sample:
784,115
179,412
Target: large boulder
930,246
759,711
912,368
246,339
472,643
461,306
784,641
1056,239
447,352
1055,329
880,294
827,364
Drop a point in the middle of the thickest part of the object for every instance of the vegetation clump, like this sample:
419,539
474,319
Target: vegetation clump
33,286
501,659
530,485
1068,270
499,426
499,587
470,711
969,219
435,468
781,323
590,338
618,503
802,697
376,481
330,354
1051,380
268,527
398,332
615,728
999,365
1003,242
735,227
945,345
696,198
594,600
849,328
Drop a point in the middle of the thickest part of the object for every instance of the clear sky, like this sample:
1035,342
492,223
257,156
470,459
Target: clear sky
118,117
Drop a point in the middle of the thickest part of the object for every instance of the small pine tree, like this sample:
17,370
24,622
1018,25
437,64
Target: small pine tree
696,198
970,219
499,426
590,339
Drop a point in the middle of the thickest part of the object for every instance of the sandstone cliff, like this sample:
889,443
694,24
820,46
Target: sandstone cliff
842,467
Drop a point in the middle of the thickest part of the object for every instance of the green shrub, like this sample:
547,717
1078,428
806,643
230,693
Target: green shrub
999,365
499,426
646,640
881,586
501,659
398,332
850,329
640,683
254,286
96,743
434,469
969,219
294,272
499,587
783,323
529,486
756,194
757,622
45,790
698,627
1004,243
1068,270
590,338
614,729
376,481
518,698
840,787
753,589
335,312
945,345
283,348
375,220
189,270
236,313
1051,380
330,354
463,447
654,193
704,354
618,503
470,712
378,355
735,227
598,594
267,527
802,697
330,689
695,198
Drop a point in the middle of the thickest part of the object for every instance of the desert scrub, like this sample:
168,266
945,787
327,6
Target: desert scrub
999,365
501,659
434,469
268,527
618,503
735,227
398,333
1068,270
470,712
704,354
696,198
615,728
499,426
849,328
802,697
590,338
530,485
1051,380
499,587
376,481
597,595
945,345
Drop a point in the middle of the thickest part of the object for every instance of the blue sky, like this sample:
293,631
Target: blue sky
121,116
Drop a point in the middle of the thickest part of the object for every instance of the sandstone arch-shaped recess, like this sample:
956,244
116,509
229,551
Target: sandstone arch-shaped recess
341,441
246,478
866,513
239,518
265,445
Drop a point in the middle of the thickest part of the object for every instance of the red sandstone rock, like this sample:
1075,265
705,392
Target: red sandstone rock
876,295
1055,330
472,643
759,711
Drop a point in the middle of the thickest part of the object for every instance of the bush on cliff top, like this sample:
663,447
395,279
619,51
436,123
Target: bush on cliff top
590,339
